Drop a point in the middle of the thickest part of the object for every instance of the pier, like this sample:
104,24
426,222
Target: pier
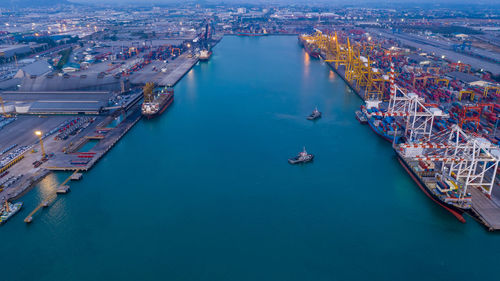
175,70
485,210
45,203
76,176
62,189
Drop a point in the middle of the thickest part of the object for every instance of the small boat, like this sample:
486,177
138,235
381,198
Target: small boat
302,157
314,115
361,117
9,210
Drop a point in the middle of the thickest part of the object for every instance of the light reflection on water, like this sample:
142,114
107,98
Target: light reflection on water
48,186
331,76
307,62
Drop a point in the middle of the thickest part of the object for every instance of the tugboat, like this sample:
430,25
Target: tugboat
314,115
8,210
302,157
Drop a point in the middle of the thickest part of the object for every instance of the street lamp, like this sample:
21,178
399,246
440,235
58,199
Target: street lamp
39,134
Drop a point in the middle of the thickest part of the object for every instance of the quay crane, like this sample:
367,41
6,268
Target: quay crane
467,159
354,58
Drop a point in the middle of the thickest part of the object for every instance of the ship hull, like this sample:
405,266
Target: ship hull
205,58
380,132
361,119
5,218
457,212
307,48
161,110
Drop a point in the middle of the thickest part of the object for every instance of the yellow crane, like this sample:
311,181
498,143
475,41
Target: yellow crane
446,81
5,114
358,68
471,93
488,88
148,91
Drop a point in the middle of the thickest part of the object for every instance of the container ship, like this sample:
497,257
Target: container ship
361,117
386,127
156,100
205,55
309,48
8,210
443,190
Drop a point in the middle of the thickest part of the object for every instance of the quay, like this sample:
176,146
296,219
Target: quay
341,72
485,206
66,148
175,70
64,162
485,210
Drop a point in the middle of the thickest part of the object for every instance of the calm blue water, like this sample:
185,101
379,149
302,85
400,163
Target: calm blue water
205,191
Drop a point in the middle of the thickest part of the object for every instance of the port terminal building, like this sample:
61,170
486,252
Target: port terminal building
56,102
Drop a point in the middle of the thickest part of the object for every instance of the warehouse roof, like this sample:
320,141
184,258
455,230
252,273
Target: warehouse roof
464,77
37,68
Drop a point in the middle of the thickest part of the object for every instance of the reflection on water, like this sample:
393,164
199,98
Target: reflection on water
48,185
190,75
190,81
307,62
331,76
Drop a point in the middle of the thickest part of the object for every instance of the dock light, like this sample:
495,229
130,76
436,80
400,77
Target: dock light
442,56
39,134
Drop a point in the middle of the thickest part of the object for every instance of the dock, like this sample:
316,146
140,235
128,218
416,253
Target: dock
341,72
175,75
62,189
175,70
76,176
67,162
44,204
485,210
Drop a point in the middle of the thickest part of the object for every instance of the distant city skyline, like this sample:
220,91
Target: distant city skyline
416,3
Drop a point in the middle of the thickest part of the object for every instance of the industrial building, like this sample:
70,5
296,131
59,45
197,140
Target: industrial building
55,102
9,51
33,70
